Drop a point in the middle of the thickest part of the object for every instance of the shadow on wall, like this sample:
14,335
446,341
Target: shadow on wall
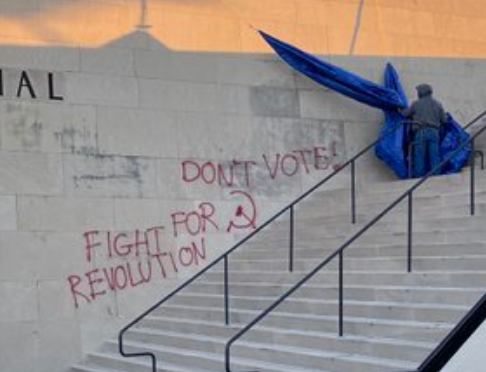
215,25
327,27
29,7
93,22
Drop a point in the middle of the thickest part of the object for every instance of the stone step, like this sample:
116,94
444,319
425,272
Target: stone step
421,263
401,293
420,331
370,196
387,225
318,239
434,185
392,319
290,356
321,359
87,367
323,208
208,361
397,215
422,207
456,279
384,226
448,186
111,360
375,346
310,252
244,309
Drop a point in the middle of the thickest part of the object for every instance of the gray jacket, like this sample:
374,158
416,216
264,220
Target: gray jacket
426,109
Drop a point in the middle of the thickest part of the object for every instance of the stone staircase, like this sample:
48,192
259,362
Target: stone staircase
392,319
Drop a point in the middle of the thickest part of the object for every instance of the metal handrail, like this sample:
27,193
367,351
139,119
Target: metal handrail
474,121
456,338
225,256
441,355
340,251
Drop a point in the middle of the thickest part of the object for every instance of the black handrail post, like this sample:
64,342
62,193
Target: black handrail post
472,180
227,358
291,242
341,294
154,363
353,192
226,292
410,231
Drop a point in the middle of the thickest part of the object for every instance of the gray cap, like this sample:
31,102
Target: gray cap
424,90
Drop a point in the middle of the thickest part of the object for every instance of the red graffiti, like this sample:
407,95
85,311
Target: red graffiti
194,222
319,158
122,244
143,254
203,219
190,255
154,265
140,254
277,165
245,217
220,174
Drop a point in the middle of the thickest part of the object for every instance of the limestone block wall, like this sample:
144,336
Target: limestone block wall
127,163
124,170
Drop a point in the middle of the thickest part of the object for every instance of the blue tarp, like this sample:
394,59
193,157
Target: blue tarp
336,78
452,137
393,147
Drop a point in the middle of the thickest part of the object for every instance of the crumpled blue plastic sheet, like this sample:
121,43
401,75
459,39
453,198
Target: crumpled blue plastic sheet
336,78
394,144
452,138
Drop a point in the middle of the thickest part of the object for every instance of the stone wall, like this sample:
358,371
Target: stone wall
146,166
125,167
